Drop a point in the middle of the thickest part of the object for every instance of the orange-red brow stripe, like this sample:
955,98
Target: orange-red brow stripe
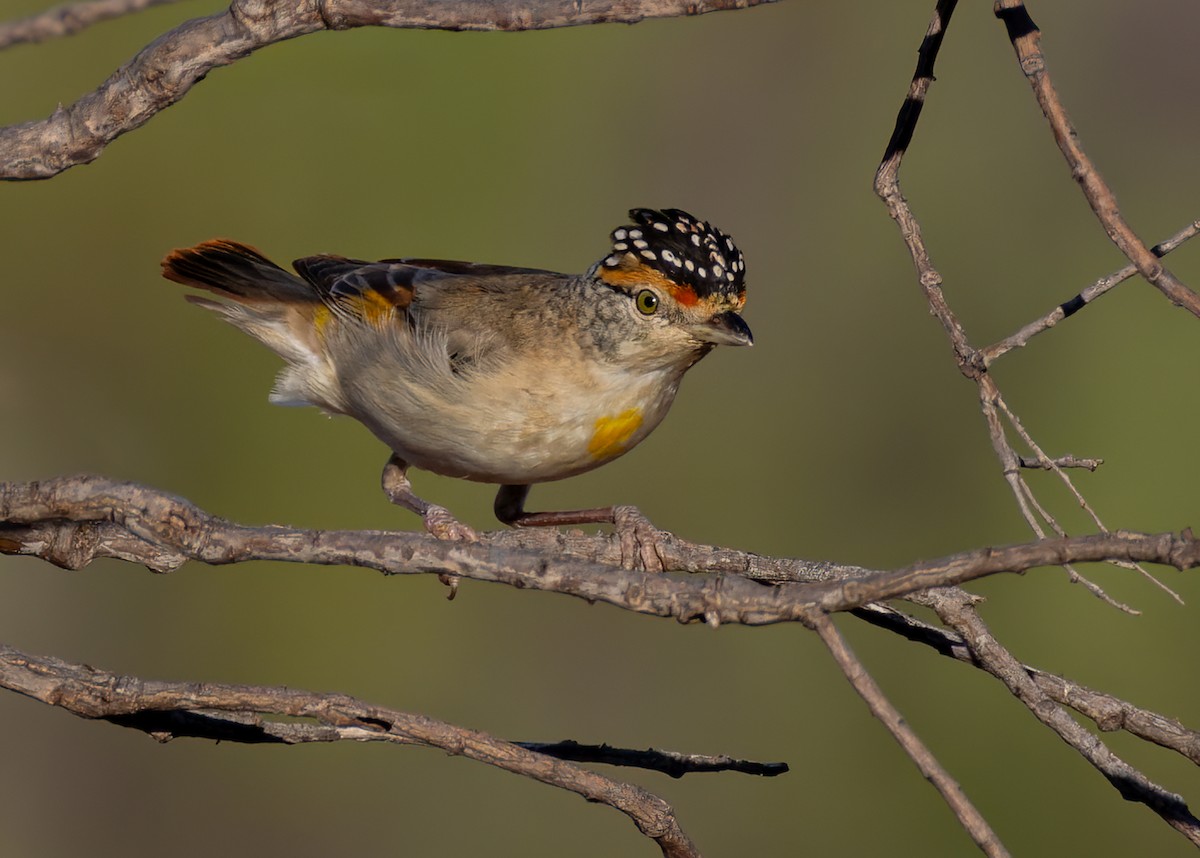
644,275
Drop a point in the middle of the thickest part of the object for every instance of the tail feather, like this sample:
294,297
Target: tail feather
272,305
238,272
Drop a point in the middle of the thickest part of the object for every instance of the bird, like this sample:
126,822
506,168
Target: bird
491,373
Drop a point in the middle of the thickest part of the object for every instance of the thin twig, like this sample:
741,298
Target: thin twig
67,19
968,816
1026,41
1090,293
1015,422
670,763
887,187
154,706
1036,464
163,72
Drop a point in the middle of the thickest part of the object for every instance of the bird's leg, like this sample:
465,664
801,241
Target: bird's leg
437,519
639,538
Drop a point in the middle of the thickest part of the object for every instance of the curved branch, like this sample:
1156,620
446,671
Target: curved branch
167,709
163,72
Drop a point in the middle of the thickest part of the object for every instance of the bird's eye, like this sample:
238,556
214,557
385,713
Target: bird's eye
647,302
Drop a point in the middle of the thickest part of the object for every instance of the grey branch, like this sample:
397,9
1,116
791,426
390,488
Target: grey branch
970,817
70,521
67,19
668,762
1086,296
1026,42
163,72
1033,463
1128,781
231,712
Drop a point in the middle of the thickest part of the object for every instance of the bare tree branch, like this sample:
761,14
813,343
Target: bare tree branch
668,762
163,72
1109,713
1060,462
1090,293
67,19
1128,781
1026,41
968,816
168,709
72,520
974,643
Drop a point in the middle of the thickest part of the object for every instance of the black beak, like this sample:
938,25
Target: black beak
725,329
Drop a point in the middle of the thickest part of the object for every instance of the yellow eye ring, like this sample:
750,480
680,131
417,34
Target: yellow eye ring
647,302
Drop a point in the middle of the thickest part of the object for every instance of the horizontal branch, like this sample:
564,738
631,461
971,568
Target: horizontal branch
163,72
1035,464
70,521
169,709
668,762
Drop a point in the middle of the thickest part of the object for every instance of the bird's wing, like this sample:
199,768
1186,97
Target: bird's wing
383,291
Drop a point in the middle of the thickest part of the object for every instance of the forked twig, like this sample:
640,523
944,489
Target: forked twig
1086,296
956,609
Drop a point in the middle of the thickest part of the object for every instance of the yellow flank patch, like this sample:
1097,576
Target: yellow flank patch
613,433
320,319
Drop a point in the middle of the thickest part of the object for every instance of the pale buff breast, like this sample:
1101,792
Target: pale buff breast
523,424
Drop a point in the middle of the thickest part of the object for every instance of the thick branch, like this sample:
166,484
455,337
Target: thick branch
72,520
163,72
167,709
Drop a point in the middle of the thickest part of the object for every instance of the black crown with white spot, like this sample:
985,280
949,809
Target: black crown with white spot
689,251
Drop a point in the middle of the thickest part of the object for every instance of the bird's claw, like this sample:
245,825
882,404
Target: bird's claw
442,525
640,539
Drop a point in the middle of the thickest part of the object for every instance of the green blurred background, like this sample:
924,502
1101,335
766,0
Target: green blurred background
854,437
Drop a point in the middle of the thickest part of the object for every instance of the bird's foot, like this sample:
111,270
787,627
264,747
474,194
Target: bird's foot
438,521
640,539
441,524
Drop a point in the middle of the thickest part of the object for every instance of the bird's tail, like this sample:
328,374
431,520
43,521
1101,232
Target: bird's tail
277,308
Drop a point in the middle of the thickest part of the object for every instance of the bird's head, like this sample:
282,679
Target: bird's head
684,280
